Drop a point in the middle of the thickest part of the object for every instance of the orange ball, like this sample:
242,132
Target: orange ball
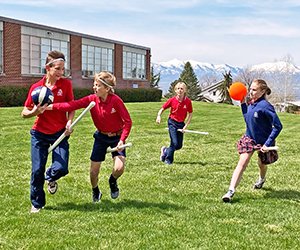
237,91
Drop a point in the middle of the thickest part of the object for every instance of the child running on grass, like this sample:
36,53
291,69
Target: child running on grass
180,106
113,124
263,126
48,127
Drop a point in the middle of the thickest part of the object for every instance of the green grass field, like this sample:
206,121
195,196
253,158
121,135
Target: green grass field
160,206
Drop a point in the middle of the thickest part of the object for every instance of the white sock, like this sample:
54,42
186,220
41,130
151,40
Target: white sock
260,179
232,189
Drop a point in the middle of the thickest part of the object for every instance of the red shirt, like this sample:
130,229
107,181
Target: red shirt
50,122
110,115
179,109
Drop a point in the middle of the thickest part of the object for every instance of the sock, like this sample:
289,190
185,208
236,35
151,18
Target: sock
232,189
262,179
96,190
112,179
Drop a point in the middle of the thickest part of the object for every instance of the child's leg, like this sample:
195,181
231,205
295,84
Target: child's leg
60,162
39,154
119,166
240,168
94,172
262,169
173,144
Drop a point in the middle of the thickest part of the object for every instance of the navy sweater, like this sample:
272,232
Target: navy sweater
263,124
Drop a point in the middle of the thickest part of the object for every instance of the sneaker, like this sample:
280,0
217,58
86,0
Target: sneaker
34,209
97,196
259,183
114,190
168,162
228,196
162,154
52,187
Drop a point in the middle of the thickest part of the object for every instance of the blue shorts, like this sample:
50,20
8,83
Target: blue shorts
101,143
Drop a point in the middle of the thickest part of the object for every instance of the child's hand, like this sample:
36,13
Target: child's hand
68,131
158,120
121,143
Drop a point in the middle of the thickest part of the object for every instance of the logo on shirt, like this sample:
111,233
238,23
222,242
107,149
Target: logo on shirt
255,115
113,111
60,92
184,107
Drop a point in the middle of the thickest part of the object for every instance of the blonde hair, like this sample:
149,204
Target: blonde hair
180,83
263,86
108,78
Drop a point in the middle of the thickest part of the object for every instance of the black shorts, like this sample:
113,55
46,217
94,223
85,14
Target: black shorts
101,143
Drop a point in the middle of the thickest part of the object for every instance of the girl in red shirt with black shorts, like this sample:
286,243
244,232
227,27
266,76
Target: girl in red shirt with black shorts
113,124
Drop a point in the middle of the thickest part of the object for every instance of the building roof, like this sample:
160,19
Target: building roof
212,87
39,26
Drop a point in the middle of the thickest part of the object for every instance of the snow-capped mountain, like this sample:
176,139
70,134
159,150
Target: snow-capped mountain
171,70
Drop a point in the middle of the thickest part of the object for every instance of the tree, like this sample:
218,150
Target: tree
247,75
207,80
154,79
189,77
171,91
284,80
223,88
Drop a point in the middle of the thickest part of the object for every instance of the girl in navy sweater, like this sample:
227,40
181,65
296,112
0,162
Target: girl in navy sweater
263,126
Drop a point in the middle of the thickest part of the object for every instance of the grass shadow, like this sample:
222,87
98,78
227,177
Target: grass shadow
109,206
282,194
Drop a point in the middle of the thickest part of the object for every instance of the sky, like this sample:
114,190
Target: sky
239,33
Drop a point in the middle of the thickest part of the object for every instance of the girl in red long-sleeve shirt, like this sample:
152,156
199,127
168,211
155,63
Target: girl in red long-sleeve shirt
113,124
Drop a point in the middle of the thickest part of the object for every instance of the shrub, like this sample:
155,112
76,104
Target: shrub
140,95
13,95
16,95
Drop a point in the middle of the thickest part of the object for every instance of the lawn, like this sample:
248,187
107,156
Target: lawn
160,206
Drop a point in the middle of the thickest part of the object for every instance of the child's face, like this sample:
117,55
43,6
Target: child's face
180,90
100,89
255,91
57,70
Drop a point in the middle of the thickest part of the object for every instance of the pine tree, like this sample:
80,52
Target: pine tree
171,91
223,88
189,77
154,79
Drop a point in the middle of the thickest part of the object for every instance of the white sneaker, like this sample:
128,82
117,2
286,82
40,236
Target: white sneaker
52,187
228,196
259,183
34,209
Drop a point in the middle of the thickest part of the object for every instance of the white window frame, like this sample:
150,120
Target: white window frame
36,44
134,63
96,56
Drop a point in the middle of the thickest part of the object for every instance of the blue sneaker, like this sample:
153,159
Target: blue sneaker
162,154
97,196
114,190
168,162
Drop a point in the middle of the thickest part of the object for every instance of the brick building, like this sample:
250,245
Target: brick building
24,47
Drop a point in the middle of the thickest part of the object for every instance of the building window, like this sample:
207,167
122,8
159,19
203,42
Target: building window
1,49
134,65
96,58
36,44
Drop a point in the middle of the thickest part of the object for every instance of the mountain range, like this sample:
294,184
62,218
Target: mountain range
171,70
